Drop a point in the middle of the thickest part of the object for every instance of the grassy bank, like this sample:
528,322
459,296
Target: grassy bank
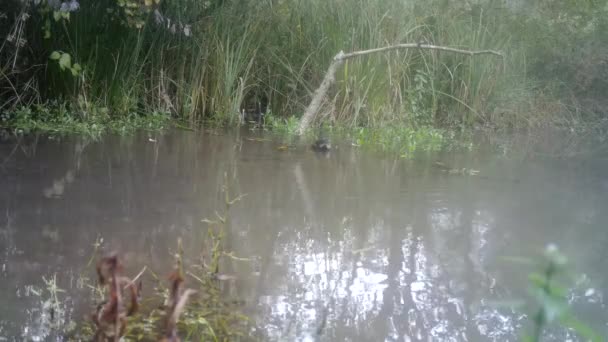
209,61
59,119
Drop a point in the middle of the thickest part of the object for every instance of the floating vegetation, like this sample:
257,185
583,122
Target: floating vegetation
60,119
400,139
455,171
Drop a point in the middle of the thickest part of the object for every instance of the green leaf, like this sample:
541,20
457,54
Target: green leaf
55,55
47,28
56,15
537,280
65,61
77,67
553,307
581,328
528,338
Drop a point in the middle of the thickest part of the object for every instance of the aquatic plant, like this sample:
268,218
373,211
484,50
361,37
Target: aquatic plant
399,139
171,312
281,125
176,301
58,118
549,297
110,317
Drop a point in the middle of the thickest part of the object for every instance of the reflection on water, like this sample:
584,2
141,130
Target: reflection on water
349,246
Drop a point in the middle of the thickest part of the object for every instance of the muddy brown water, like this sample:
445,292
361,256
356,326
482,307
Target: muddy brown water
350,244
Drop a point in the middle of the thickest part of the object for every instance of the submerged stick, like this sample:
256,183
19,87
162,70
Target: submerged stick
330,75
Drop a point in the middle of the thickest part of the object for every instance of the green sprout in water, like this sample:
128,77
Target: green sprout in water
550,298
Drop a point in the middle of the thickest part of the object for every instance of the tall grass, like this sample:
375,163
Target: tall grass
203,60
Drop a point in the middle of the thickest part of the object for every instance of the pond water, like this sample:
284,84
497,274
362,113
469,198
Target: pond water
350,244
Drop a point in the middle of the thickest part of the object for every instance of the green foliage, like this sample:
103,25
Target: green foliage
59,118
135,12
65,62
401,140
201,60
287,125
549,296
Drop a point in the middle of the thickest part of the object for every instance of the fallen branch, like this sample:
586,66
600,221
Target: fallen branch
330,75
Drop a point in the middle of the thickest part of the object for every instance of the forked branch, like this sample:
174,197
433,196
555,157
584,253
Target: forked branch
330,75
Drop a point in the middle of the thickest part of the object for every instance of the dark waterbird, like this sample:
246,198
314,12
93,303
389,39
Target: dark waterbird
321,145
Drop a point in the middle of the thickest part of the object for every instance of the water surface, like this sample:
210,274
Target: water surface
366,247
